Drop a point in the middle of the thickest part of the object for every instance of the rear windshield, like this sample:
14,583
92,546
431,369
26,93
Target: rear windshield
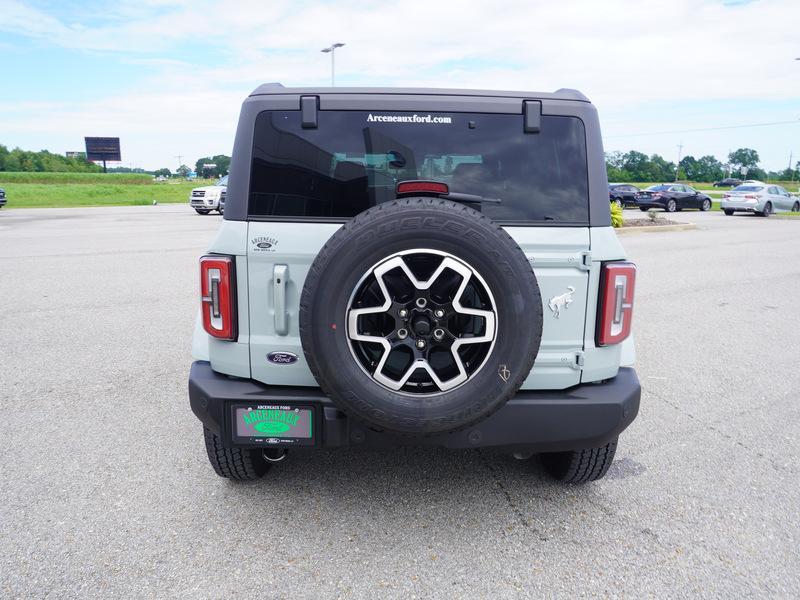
748,188
658,188
354,159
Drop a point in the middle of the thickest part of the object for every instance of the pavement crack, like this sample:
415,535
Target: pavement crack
506,494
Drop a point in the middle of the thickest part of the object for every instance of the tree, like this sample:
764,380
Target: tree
221,164
25,160
162,172
635,163
689,168
660,169
744,158
709,169
183,171
615,167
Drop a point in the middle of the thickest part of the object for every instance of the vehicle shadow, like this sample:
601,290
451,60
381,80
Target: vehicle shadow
414,489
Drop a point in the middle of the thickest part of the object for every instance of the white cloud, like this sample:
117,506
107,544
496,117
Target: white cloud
623,55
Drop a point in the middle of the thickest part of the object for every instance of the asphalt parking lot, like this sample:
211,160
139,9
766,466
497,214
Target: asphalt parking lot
106,489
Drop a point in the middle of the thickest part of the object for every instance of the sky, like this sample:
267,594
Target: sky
169,76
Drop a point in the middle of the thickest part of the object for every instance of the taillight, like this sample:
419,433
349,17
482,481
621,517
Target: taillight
422,187
615,312
218,296
750,197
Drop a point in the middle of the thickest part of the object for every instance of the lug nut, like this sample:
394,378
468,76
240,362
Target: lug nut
421,302
403,313
439,313
420,344
438,334
402,334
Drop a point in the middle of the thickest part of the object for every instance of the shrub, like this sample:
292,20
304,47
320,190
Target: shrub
616,215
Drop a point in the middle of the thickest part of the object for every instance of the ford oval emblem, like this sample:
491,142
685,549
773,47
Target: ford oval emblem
282,358
264,245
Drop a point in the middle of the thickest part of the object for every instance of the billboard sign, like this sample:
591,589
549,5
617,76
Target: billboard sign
103,148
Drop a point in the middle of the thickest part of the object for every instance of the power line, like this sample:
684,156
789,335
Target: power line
795,122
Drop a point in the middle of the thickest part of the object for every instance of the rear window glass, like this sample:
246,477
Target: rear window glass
658,188
354,159
748,188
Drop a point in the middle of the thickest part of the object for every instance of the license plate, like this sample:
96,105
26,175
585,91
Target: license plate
273,424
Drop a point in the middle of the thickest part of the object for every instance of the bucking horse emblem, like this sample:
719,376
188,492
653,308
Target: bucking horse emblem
562,301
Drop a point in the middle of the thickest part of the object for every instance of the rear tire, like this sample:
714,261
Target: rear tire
728,212
579,466
672,206
643,208
706,206
239,464
767,210
201,211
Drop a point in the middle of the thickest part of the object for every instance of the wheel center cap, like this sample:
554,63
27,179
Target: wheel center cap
421,325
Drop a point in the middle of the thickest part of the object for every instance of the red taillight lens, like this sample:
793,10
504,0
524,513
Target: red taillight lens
422,187
615,312
218,296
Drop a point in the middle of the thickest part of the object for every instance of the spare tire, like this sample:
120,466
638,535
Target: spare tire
420,316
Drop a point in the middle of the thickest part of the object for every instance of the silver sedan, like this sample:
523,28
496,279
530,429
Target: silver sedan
759,198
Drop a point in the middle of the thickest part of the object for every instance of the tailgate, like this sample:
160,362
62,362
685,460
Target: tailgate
561,261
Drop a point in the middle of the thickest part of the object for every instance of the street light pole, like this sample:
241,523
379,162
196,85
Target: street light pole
332,49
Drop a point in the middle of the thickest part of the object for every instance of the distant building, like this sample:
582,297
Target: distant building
75,154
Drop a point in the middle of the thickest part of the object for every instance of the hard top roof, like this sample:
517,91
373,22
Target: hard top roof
560,94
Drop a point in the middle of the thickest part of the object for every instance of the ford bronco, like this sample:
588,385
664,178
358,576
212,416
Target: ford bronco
415,266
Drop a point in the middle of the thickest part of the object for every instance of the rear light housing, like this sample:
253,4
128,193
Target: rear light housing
438,188
218,296
615,309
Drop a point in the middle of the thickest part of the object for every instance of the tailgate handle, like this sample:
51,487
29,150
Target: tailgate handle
279,276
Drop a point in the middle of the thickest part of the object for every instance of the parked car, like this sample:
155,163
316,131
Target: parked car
727,182
758,198
672,197
2,197
350,300
208,198
624,194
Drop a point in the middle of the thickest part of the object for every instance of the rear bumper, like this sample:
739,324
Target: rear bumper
585,416
741,206
651,204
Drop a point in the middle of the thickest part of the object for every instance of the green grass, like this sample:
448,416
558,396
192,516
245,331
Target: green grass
7,177
60,195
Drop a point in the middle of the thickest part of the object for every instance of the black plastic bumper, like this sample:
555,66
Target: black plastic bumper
585,416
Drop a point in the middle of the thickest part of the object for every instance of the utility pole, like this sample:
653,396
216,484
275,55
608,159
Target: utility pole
678,166
332,50
180,160
791,170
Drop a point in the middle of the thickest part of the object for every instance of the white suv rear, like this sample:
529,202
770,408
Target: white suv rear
208,198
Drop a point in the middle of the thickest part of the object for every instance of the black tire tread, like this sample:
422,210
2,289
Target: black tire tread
580,466
239,464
